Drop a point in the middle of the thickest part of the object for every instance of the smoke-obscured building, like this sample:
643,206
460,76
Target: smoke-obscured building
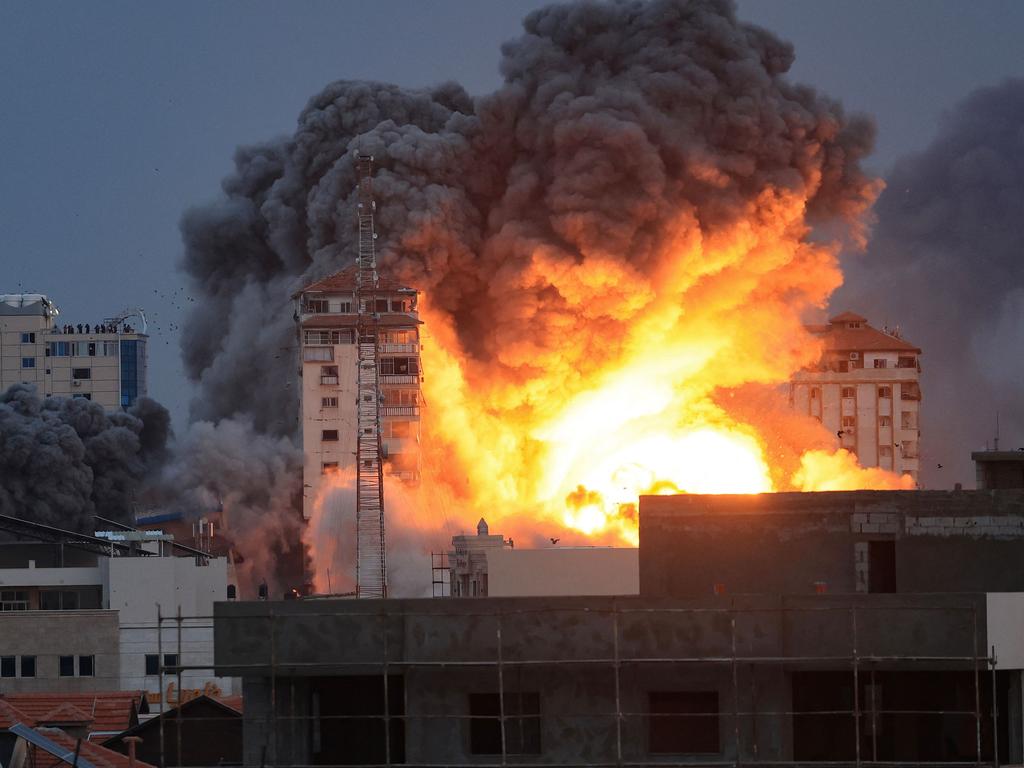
328,318
105,362
866,390
488,565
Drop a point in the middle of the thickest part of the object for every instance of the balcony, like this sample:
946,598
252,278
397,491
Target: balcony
329,381
400,410
399,349
399,379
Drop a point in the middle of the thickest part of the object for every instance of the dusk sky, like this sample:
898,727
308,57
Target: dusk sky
117,116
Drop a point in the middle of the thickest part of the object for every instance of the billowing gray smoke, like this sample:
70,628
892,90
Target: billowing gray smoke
64,460
946,262
615,122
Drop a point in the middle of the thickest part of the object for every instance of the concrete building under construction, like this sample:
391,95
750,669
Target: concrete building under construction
787,629
865,390
328,320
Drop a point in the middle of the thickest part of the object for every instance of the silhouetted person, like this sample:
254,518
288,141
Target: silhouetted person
79,327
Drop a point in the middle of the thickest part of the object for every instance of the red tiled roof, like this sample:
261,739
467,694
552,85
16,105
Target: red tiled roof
839,337
349,321
9,715
99,756
344,281
108,710
235,702
65,713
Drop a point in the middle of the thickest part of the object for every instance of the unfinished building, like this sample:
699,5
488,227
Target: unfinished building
846,628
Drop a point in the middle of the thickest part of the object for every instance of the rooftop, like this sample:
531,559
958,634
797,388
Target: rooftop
850,331
344,281
107,711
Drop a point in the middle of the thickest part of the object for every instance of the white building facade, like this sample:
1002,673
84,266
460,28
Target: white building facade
76,621
866,390
105,362
327,316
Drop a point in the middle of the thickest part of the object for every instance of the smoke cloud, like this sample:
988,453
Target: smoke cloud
64,460
645,175
945,264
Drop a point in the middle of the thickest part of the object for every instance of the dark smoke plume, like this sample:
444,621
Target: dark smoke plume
64,460
613,120
621,130
945,263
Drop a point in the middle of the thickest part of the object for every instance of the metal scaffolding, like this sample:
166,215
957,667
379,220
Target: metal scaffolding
740,716
371,559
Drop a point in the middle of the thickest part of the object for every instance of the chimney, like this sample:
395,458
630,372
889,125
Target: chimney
131,741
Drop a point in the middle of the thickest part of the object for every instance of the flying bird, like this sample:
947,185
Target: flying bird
555,541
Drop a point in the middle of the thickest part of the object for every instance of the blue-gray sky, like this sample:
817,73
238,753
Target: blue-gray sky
116,116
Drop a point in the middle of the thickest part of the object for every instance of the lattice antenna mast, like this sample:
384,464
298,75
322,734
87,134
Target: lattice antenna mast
371,562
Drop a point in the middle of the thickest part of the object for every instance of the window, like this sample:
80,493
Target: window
312,354
79,349
400,305
908,420
328,402
683,722
28,362
843,366
28,666
28,338
849,421
60,349
81,373
815,393
316,306
906,362
13,600
400,429
522,723
401,396
328,337
381,305
328,374
110,349
328,466
86,666
885,451
66,665
881,362
885,391
849,392
884,421
232,592
400,366
909,449
152,664
910,391
329,435
82,396
170,660
881,566
92,348
8,666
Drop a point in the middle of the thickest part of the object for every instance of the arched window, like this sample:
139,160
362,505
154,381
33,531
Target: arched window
232,591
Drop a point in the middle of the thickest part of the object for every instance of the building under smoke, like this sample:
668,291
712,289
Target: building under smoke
104,362
866,391
328,317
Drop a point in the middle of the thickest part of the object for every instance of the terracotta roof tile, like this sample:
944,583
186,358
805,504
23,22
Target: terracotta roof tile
235,702
9,715
65,713
839,337
99,756
847,317
344,281
108,710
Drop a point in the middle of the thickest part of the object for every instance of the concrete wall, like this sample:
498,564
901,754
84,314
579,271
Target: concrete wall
47,635
566,650
563,571
791,543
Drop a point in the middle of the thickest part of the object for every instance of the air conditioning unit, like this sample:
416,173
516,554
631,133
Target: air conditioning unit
855,355
76,383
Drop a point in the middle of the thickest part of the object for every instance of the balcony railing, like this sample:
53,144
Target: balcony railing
391,378
399,349
400,410
329,380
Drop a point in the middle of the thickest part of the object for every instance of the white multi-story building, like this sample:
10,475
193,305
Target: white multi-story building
866,390
73,620
327,327
105,362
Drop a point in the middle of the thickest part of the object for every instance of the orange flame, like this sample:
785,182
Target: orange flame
636,379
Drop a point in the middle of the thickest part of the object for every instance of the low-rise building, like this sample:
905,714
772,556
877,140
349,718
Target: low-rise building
80,614
105,362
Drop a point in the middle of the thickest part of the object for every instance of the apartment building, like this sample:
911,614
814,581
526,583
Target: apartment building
327,319
104,362
866,390
79,613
